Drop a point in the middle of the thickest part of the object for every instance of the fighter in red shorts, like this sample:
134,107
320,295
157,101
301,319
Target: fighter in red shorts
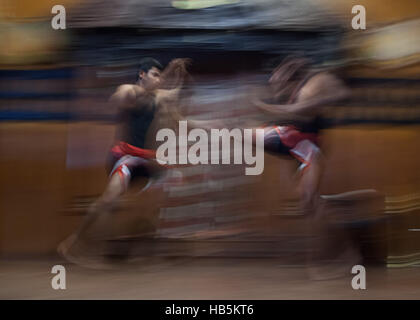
297,97
138,105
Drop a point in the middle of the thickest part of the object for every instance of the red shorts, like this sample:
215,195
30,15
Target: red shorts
122,149
289,140
130,161
290,136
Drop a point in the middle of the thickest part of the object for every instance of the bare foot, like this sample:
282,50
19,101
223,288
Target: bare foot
72,251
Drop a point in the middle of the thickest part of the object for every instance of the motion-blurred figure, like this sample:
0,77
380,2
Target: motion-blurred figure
295,99
138,105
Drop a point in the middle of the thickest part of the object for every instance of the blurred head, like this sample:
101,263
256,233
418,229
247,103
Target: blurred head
149,72
287,75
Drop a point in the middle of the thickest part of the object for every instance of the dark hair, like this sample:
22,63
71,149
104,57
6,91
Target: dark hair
146,64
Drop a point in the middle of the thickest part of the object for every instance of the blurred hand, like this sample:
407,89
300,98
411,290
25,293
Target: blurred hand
180,63
176,73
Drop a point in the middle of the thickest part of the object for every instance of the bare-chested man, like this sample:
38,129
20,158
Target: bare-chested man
297,96
137,104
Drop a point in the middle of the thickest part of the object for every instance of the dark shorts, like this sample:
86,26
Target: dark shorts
287,140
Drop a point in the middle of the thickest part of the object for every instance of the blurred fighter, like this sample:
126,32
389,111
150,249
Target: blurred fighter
138,105
296,97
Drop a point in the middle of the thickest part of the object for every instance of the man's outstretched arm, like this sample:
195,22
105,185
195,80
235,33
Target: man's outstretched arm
175,76
319,91
173,79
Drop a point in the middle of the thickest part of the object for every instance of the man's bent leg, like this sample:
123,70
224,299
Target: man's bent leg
311,171
312,207
103,207
331,252
99,213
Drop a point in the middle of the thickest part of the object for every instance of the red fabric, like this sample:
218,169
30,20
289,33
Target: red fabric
290,136
123,148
